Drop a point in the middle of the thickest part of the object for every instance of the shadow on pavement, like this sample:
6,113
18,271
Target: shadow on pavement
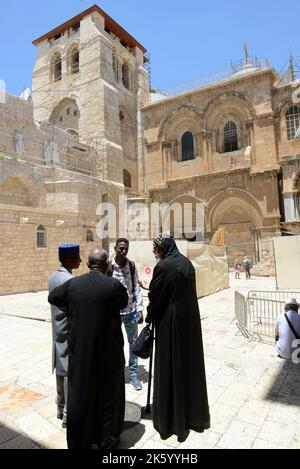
11,439
286,387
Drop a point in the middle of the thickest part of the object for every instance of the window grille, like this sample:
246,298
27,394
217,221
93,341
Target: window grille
187,144
74,62
230,137
41,237
292,118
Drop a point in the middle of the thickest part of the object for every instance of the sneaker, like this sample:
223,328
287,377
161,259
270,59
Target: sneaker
135,382
60,415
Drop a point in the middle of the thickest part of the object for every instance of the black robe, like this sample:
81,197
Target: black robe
96,391
180,402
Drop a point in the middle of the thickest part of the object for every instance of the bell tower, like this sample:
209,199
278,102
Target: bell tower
89,79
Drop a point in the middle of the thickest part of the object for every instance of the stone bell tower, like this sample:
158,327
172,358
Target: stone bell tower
89,80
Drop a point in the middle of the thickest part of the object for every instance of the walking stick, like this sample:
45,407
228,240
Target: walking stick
148,409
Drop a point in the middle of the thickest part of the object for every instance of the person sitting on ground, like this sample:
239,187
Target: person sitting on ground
284,333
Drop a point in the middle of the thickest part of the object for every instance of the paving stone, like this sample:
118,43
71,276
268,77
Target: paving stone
277,432
206,440
20,442
7,434
249,389
36,427
239,435
263,444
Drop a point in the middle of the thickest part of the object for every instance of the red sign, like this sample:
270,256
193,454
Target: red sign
148,270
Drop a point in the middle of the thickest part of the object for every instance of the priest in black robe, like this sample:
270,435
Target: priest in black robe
96,395
180,402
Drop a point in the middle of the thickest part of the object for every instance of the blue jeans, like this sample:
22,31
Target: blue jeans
131,328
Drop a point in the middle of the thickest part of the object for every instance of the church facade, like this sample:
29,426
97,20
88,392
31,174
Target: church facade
93,131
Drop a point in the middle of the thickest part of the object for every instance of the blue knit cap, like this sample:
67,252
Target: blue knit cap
69,250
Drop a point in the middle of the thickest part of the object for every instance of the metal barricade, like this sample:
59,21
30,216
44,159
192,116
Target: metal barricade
256,314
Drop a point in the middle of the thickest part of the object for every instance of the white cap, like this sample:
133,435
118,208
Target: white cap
292,301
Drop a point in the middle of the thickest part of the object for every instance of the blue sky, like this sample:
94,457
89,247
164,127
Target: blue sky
186,39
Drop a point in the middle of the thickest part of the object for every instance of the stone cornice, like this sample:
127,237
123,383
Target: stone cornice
288,160
233,80
266,115
152,146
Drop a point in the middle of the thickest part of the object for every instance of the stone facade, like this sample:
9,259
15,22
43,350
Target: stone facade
42,186
240,188
71,147
91,133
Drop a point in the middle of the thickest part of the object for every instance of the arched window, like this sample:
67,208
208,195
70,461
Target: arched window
126,178
89,236
125,75
56,67
74,61
292,118
230,137
187,146
41,237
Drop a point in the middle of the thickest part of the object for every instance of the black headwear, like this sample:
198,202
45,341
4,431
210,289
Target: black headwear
167,245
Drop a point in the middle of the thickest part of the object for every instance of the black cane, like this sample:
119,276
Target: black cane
148,409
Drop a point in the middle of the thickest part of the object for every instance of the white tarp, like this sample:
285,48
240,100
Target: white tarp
287,258
210,263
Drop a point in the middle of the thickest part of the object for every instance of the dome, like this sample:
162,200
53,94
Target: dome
247,68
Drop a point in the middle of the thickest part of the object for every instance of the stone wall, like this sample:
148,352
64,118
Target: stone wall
26,267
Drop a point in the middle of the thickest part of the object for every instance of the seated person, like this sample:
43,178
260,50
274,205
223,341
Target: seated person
284,333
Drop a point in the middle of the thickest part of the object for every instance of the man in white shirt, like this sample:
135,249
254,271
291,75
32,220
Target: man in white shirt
125,271
285,336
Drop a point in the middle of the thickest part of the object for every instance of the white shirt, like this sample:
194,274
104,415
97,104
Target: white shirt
286,336
135,296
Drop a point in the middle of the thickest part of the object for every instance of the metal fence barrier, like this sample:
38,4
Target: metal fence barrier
256,313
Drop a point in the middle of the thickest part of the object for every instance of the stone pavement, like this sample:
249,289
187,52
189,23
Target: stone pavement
254,396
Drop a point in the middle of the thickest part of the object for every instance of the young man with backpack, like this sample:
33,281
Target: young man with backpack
125,271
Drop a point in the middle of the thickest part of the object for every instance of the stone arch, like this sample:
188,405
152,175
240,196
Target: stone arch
229,107
66,115
19,190
238,214
235,97
185,114
280,114
237,197
283,107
